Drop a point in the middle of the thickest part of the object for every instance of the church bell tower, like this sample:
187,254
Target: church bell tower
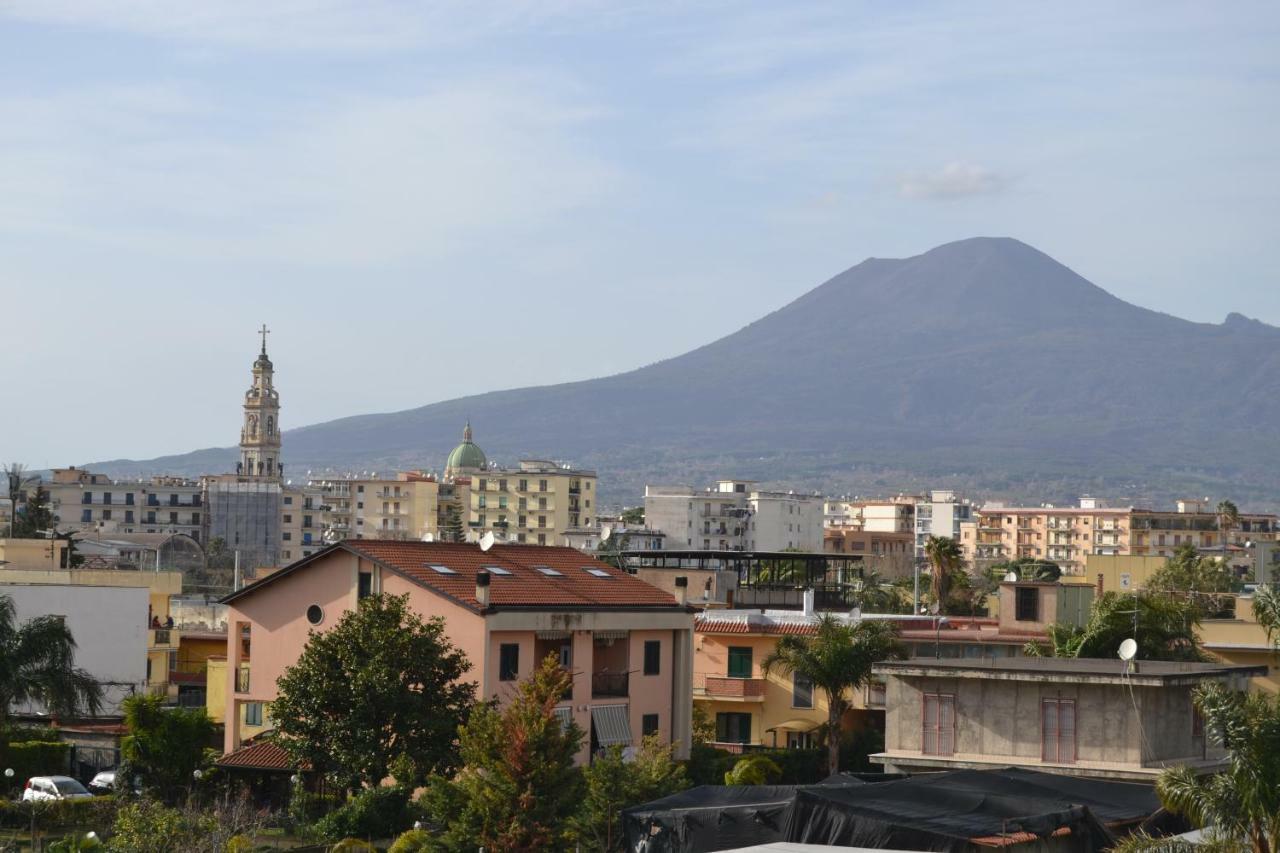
260,434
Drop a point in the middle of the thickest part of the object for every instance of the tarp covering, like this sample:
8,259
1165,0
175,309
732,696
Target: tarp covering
962,810
611,724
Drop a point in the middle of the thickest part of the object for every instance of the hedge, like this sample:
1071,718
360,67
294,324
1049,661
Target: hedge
35,758
707,765
97,814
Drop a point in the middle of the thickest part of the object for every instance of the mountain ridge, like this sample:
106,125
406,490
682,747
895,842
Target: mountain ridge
983,349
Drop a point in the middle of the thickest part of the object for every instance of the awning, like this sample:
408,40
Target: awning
611,724
565,716
795,725
553,635
610,634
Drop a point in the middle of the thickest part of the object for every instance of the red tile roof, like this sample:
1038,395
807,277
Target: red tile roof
523,586
258,755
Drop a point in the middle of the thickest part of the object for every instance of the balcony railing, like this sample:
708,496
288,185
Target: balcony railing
735,688
162,637
605,684
242,680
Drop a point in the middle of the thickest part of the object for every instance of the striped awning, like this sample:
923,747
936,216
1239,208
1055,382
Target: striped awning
611,724
610,635
565,716
553,635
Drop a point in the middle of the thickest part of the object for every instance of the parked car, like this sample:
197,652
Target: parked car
103,783
53,788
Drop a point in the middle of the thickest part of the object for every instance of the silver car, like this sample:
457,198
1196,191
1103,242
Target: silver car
53,788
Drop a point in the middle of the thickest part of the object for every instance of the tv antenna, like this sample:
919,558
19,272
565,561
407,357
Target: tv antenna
1128,651
486,541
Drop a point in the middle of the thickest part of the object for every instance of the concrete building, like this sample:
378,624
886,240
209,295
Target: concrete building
109,624
35,554
1081,717
621,537
95,503
1070,535
405,506
734,516
891,554
628,644
939,513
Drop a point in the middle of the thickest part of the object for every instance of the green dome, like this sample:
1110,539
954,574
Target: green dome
466,455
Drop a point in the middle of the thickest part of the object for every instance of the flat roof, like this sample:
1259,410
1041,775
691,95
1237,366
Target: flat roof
1149,673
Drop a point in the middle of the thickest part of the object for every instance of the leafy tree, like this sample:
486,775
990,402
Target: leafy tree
873,593
35,518
413,841
378,812
1203,580
452,530
1266,610
702,727
165,746
148,826
633,516
837,660
382,688
1228,520
753,770
1027,568
37,663
1239,808
518,788
1164,627
613,784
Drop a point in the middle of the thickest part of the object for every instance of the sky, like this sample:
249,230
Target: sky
424,201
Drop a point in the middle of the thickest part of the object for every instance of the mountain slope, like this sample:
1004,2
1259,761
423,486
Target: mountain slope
982,358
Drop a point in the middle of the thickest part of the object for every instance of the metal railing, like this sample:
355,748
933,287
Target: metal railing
610,684
242,680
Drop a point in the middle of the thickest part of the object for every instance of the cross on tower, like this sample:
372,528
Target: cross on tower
264,331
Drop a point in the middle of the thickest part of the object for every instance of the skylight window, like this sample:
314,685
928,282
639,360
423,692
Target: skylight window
600,573
496,570
549,572
440,570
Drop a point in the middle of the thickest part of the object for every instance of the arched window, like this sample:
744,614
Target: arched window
271,425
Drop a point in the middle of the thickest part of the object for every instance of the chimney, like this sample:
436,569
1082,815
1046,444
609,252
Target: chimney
1100,583
482,588
808,604
682,590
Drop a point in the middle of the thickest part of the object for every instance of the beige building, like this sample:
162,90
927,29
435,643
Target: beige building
82,500
735,515
1070,535
405,506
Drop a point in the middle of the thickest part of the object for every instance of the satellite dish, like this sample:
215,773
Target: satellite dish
1128,649
605,532
486,541
428,537
1012,577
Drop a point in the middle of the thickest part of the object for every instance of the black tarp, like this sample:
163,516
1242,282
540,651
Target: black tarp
936,811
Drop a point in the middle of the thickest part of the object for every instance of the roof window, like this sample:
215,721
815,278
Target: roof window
495,570
600,573
549,572
440,570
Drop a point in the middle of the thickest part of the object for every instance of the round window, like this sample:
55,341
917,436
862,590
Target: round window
314,614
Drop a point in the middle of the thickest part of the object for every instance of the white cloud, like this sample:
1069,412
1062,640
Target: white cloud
954,180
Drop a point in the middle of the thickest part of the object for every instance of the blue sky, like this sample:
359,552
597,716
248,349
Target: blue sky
431,200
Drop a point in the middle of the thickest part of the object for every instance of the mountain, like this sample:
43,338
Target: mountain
982,364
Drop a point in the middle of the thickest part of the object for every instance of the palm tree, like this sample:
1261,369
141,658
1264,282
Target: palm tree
837,660
1240,807
945,559
37,662
1266,610
1228,520
17,481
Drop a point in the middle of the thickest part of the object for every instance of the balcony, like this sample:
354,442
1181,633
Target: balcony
161,637
734,689
609,684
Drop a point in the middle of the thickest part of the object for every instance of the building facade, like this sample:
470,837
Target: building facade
627,644
82,500
734,516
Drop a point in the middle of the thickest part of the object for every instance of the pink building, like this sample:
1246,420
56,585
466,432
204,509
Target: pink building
628,644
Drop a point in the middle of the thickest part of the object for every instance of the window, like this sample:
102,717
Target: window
938,724
1058,731
495,570
441,570
128,498
106,497
195,518
173,518
652,657
1027,604
315,615
288,501
484,484
86,515
253,713
542,521
364,588
288,537
649,725
288,519
508,661
523,487
542,485
801,691
128,516
549,572
86,498
739,661
733,728
542,539
106,515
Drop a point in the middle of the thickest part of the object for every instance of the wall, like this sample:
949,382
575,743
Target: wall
109,625
32,554
1120,573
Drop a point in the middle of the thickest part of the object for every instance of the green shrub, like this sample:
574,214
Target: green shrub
147,826
754,769
54,815
856,751
353,845
413,841
372,813
708,765
19,733
306,807
35,758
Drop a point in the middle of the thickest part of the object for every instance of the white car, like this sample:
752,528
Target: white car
103,783
53,788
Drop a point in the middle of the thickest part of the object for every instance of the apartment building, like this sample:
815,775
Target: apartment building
939,513
895,515
534,503
627,644
82,500
1068,535
406,506
734,516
